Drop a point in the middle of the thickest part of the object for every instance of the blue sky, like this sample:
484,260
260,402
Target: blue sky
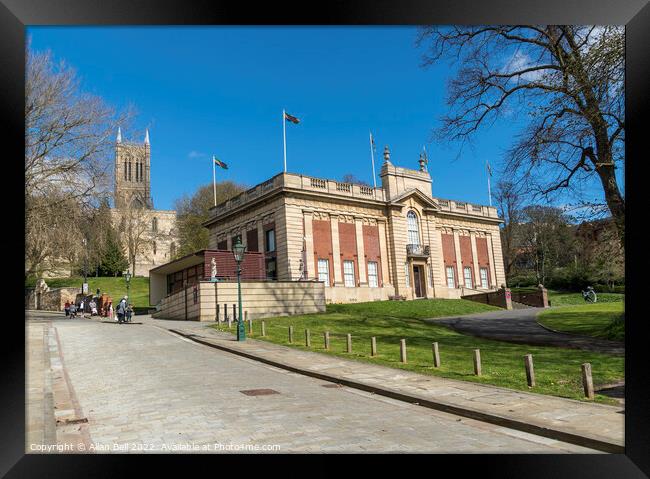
221,90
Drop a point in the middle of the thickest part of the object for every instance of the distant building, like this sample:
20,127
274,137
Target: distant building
365,243
153,230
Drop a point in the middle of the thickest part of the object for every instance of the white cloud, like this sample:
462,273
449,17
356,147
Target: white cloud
520,61
195,154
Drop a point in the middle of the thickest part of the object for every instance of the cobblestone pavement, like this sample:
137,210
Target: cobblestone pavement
520,326
141,386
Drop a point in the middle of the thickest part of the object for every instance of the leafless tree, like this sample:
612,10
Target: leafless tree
68,140
509,203
134,229
564,82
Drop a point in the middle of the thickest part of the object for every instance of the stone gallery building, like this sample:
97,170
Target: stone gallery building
365,243
151,233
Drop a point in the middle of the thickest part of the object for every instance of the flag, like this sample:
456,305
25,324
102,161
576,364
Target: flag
489,169
291,118
220,163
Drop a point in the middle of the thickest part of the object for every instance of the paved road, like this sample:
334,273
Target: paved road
138,384
520,326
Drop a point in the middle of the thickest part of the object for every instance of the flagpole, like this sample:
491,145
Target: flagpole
372,156
284,138
214,181
487,167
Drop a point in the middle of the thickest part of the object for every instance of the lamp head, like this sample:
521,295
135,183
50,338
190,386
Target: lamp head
238,250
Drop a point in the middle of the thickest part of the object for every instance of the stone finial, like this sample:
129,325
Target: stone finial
386,154
119,135
146,137
422,161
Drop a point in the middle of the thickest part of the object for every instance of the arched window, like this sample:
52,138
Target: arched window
154,248
413,229
154,225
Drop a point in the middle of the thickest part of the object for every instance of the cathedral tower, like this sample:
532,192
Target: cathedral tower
132,173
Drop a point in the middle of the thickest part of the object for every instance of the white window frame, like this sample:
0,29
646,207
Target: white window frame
469,282
452,277
324,271
373,274
348,274
485,282
413,228
269,239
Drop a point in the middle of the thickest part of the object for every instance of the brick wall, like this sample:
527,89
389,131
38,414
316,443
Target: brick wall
372,249
466,256
348,247
322,233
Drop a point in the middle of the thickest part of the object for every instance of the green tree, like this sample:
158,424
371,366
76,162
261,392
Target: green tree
113,260
193,210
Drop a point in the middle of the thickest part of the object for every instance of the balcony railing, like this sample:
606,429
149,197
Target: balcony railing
417,251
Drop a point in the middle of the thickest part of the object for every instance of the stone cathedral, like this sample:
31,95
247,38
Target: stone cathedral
151,233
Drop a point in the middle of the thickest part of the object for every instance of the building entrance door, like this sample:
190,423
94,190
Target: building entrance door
418,281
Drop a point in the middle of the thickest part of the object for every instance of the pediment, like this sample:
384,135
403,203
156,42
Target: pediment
418,195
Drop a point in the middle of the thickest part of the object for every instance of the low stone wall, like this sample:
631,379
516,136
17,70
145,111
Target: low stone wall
260,299
537,298
501,298
51,300
361,294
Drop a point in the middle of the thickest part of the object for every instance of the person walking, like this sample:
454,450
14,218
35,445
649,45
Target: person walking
73,311
66,308
129,312
93,307
121,310
109,310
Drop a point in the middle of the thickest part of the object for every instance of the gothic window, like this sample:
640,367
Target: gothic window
125,172
154,225
413,229
130,162
141,172
137,171
154,248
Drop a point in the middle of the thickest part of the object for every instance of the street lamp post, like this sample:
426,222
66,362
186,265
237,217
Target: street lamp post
127,277
238,251
85,268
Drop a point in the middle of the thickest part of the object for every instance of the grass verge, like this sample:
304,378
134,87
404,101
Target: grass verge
557,370
599,320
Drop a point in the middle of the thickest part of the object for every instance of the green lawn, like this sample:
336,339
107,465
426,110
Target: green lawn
565,298
600,320
114,287
557,370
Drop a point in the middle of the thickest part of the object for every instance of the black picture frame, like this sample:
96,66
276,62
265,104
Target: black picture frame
635,14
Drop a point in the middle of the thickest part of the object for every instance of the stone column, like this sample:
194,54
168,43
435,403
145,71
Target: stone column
309,245
336,251
361,255
439,273
229,242
383,250
459,261
493,278
477,273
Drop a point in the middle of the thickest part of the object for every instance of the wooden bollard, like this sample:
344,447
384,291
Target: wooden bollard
477,362
530,371
291,334
326,337
587,381
307,338
225,312
349,343
250,326
436,355
217,316
373,346
402,350
234,312
263,329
